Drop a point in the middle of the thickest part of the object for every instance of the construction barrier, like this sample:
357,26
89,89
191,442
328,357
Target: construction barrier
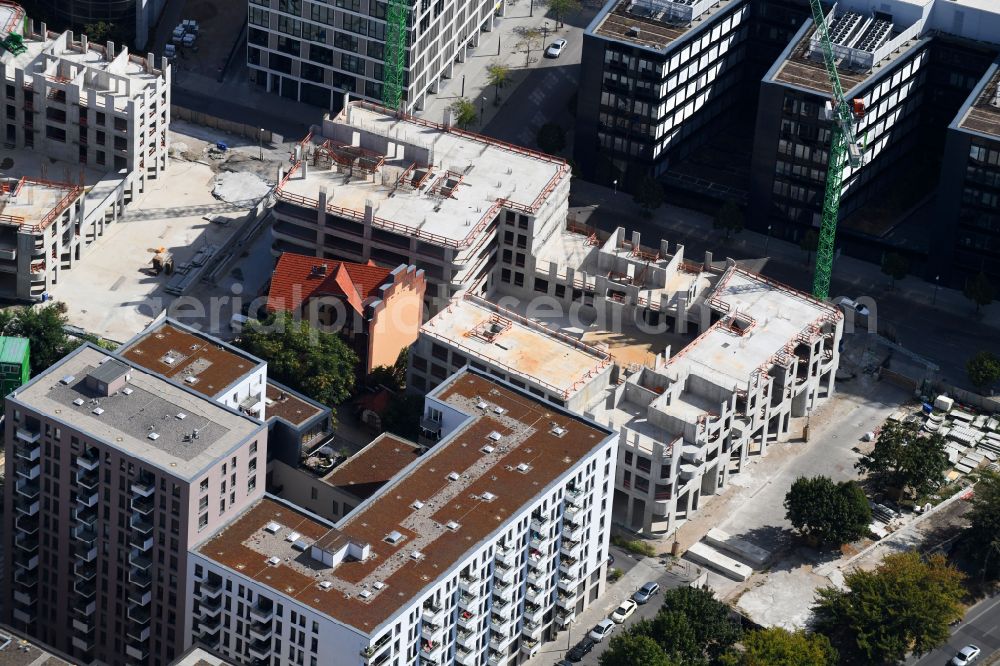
239,129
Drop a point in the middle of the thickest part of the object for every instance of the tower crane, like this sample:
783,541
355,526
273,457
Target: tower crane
844,149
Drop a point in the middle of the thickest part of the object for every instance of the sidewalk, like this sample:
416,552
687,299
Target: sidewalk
499,46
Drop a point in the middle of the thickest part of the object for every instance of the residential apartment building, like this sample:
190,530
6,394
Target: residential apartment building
295,423
378,311
371,185
87,104
967,238
202,363
909,66
113,474
314,52
477,552
654,74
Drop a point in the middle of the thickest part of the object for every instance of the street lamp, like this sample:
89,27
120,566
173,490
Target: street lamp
936,285
616,186
531,8
463,85
767,240
545,32
260,143
482,110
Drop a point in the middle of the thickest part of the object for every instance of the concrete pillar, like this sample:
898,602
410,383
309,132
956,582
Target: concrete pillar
708,259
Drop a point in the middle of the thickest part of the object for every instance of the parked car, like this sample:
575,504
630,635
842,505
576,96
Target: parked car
966,655
555,49
602,630
581,649
624,611
646,592
169,51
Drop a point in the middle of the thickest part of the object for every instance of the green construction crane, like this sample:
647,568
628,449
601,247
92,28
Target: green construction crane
843,150
394,67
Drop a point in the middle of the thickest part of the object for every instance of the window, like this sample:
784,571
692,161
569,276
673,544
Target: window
202,521
203,486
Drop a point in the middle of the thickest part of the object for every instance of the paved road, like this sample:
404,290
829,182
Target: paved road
981,627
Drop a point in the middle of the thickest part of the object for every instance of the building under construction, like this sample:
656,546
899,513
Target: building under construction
373,185
294,50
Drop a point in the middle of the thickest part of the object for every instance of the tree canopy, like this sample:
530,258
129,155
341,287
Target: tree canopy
809,243
896,266
634,649
693,626
649,194
780,647
982,537
316,363
44,327
905,605
906,459
562,7
983,370
498,75
464,111
551,138
831,513
729,219
979,290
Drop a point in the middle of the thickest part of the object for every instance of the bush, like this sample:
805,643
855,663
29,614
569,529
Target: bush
635,546
614,575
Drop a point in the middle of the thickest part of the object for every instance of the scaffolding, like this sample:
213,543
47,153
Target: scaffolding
394,67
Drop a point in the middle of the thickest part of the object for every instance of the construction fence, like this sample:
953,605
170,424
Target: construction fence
251,132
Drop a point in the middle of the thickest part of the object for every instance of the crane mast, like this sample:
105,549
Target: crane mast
394,57
843,150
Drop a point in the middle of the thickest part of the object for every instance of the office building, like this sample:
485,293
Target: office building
314,52
137,18
377,311
113,474
476,553
370,185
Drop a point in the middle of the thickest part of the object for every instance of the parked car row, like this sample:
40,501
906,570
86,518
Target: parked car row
606,627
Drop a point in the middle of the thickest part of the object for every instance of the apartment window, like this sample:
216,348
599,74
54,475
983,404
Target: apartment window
251,484
253,448
202,521
203,486
253,465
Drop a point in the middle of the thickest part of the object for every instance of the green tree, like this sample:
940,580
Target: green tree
729,219
100,31
561,8
983,370
905,605
316,363
982,537
498,76
896,266
828,512
693,627
527,40
979,290
44,327
809,243
649,195
551,138
905,459
393,376
780,647
634,649
464,112
402,416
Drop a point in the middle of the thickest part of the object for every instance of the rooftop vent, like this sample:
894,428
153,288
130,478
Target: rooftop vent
325,585
78,402
190,379
153,436
292,536
452,525
453,476
97,411
499,410
524,468
127,391
487,497
558,431
495,436
364,594
416,555
168,359
272,527
274,560
632,31
300,545
378,585
181,415
482,404
68,379
487,449
394,537
417,505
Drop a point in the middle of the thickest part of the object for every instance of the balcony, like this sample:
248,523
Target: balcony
502,607
137,652
540,541
85,534
208,626
26,524
144,544
533,612
138,614
26,561
506,556
467,601
466,657
139,577
212,607
87,462
537,577
210,589
83,626
499,623
505,574
140,598
532,630
574,498
137,634
467,639
261,631
85,643
570,568
536,561
496,659
566,600
572,532
571,549
26,543
138,560
85,570
431,651
27,470
86,553
84,608
572,514
540,523
535,595
27,451
87,479
529,646
25,616
25,578
262,613
24,598
432,633
433,614
87,497
143,488
29,436
469,584
467,619
142,505
259,649
568,584
85,517
140,524
504,591
564,617
500,642
85,589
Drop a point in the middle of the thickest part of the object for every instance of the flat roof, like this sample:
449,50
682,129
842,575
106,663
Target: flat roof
35,202
17,651
482,330
364,473
147,406
203,363
655,23
984,114
488,488
280,402
451,202
778,314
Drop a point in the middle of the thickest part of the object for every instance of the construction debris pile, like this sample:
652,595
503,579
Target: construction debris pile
972,439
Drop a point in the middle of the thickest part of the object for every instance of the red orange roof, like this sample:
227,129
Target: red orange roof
298,277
